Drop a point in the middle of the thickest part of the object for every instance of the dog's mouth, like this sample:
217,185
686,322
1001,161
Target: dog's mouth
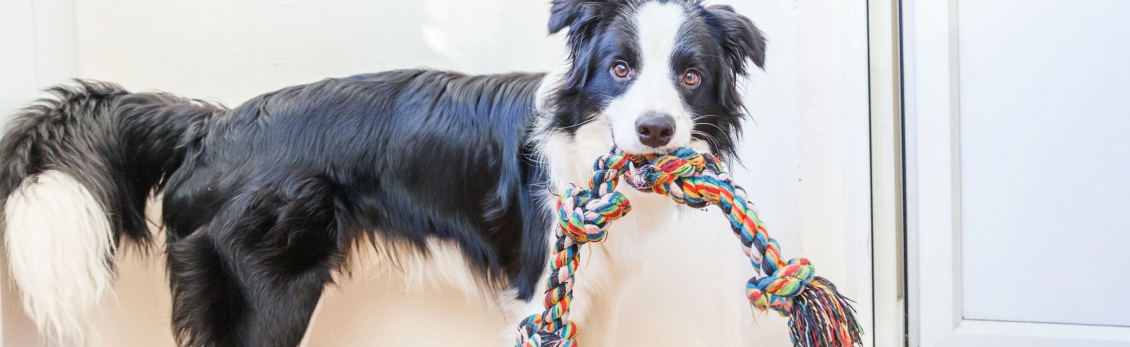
652,150
639,149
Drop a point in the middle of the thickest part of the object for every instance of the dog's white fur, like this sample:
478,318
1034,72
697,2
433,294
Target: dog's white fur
653,90
60,252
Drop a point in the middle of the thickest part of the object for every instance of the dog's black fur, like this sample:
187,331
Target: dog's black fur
264,201
273,196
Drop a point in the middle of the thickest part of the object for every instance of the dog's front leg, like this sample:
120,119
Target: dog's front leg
607,269
599,286
597,293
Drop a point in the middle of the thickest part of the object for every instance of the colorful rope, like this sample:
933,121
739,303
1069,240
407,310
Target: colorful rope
582,215
819,315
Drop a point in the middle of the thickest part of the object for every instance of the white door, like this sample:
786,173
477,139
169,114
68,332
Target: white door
1018,172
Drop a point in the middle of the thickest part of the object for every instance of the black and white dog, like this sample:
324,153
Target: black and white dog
451,176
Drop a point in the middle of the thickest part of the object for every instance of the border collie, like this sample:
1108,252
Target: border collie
265,203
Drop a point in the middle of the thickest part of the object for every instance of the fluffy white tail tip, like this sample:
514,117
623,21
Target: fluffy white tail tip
60,250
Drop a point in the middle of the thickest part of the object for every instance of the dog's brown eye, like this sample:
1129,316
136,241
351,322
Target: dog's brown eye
691,78
621,69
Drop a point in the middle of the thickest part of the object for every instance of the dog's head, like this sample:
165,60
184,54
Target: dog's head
653,74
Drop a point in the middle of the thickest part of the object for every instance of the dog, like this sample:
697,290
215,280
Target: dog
264,203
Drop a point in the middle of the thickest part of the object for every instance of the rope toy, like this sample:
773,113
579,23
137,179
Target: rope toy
818,315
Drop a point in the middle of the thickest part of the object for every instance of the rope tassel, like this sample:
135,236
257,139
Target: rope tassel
818,315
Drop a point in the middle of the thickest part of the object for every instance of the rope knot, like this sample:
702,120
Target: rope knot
532,334
659,173
777,290
585,218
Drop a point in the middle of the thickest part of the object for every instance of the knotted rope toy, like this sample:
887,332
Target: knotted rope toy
818,315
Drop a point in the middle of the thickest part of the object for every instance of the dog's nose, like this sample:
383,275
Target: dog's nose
655,129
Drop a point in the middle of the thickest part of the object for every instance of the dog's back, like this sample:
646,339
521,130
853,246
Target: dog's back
263,202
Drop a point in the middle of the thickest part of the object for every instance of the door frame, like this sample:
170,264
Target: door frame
933,199
888,227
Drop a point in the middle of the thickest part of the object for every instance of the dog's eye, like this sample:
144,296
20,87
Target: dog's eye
691,77
620,69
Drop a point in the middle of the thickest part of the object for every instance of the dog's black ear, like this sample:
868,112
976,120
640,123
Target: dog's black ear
575,14
741,40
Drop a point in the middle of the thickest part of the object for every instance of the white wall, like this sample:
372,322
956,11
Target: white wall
805,153
31,58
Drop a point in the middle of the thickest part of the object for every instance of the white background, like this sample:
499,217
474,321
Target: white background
805,149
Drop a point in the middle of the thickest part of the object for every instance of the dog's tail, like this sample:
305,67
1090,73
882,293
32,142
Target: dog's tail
76,171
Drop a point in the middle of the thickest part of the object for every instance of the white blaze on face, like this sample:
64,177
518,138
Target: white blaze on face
654,88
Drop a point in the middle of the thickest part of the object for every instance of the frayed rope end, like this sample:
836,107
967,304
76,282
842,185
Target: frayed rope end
821,317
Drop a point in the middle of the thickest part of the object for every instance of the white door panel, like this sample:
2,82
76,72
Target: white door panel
1017,157
1045,157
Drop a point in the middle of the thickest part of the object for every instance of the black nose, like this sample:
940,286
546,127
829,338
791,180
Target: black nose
655,129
